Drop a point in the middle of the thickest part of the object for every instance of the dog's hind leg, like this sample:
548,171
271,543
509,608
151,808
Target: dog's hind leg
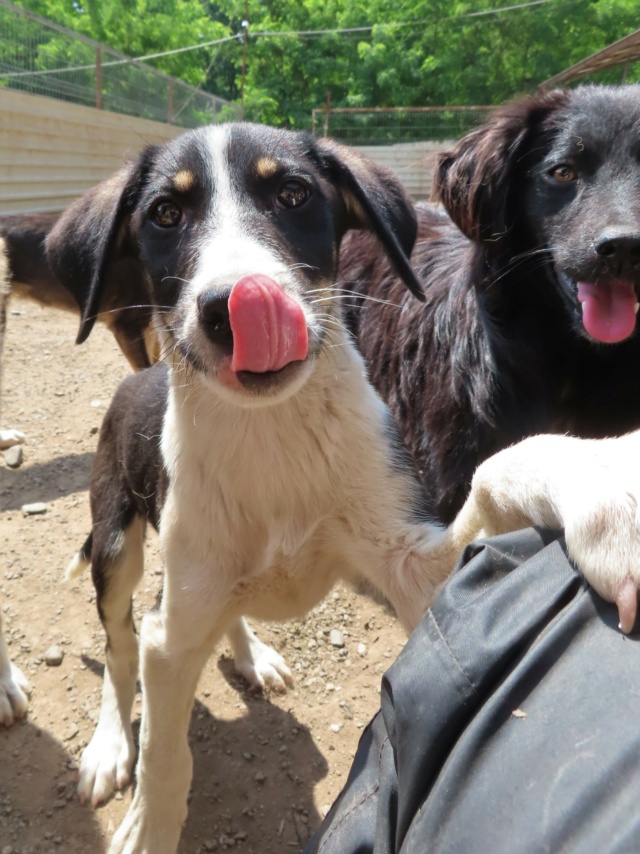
117,565
14,686
260,665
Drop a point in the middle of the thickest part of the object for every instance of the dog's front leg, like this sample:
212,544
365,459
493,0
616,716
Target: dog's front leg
14,686
591,488
175,643
260,665
9,438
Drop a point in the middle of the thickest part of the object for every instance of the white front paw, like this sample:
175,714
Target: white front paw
604,541
106,763
144,833
263,667
9,438
14,691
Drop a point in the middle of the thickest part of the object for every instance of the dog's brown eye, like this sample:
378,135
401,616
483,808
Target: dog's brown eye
563,173
166,214
292,194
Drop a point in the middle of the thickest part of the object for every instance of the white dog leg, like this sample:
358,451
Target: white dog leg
172,658
260,665
14,686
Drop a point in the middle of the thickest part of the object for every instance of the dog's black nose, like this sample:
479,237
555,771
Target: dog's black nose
213,311
619,246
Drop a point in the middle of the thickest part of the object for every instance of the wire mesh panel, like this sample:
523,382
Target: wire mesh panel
43,58
389,125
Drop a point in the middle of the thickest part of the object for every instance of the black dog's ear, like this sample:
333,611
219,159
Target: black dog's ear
92,234
374,199
473,179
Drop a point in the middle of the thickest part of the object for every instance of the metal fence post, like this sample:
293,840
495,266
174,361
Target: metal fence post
327,110
170,103
98,79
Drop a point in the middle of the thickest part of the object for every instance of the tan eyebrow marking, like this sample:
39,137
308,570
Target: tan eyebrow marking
266,167
184,180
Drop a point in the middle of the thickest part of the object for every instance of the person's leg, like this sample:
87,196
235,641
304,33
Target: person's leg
507,722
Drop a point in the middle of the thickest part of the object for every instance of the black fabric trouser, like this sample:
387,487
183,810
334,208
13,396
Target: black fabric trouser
509,722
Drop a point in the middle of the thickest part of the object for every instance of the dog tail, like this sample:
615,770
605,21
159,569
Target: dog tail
80,561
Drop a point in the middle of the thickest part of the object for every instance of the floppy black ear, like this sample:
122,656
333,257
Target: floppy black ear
92,234
374,199
473,180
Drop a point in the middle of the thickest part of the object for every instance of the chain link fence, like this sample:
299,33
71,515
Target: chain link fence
390,125
43,58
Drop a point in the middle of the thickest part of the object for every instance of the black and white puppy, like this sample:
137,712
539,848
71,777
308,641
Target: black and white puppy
259,450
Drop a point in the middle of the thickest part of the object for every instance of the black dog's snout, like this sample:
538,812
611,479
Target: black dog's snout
619,247
213,311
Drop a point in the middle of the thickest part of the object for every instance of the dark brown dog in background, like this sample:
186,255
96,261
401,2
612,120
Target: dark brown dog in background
124,309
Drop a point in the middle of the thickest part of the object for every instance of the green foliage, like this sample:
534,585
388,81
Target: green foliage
140,27
419,52
435,54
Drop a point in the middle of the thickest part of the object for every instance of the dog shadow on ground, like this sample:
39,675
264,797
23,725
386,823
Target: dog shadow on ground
253,776
46,481
39,810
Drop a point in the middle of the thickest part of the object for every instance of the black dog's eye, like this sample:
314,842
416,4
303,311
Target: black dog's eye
563,173
166,214
292,194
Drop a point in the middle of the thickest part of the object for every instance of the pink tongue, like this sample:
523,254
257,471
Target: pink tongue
269,327
608,310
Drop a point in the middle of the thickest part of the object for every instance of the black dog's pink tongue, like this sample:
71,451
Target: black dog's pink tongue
269,327
608,310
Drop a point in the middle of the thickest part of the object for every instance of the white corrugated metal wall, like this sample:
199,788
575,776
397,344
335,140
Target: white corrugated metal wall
52,151
413,162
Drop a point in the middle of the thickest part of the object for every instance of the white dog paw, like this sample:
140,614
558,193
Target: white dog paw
14,692
107,763
9,438
144,833
263,667
604,541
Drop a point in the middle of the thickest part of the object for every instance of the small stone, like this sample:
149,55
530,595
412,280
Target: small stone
260,777
336,638
34,509
8,849
362,649
335,727
94,430
96,404
210,844
53,656
13,457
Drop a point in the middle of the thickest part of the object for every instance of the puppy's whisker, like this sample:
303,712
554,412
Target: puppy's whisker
364,297
176,279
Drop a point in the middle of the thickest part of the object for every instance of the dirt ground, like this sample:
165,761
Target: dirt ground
265,768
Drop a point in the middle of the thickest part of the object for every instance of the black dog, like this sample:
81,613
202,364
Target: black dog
529,324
